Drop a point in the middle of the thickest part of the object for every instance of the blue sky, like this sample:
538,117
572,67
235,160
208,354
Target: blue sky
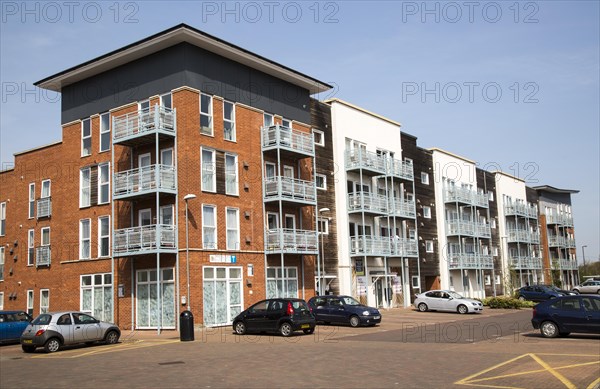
512,85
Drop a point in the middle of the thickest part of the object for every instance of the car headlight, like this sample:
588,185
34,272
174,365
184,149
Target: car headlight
365,313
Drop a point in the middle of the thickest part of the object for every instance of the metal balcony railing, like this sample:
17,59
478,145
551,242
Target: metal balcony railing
144,122
370,245
402,169
568,264
291,241
43,256
402,208
403,247
460,227
521,209
141,240
288,138
561,219
470,261
367,201
570,243
362,159
144,179
525,262
287,188
466,196
44,207
525,236
557,241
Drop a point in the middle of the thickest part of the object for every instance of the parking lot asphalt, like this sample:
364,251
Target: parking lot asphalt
498,348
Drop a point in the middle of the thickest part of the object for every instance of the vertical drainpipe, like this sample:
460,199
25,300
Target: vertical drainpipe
176,221
112,220
157,226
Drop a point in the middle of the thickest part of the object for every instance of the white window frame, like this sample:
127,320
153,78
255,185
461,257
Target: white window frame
208,114
105,184
83,187
424,178
3,218
31,200
83,240
140,213
1,301
415,282
44,308
105,287
85,138
284,278
271,119
275,215
230,174
163,152
285,121
324,177
162,213
2,253
101,237
31,247
235,228
42,243
427,212
274,166
30,301
323,225
213,227
208,170
493,223
322,134
429,248
229,120
162,100
491,196
104,129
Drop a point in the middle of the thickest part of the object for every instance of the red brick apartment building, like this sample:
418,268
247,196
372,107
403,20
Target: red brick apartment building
180,120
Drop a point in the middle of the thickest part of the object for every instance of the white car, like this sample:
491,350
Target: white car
446,300
589,286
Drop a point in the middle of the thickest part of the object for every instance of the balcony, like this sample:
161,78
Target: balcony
401,169
370,245
566,220
460,227
289,189
520,209
403,247
367,202
402,208
141,126
144,240
44,207
366,160
523,236
465,196
43,256
570,243
557,241
144,180
483,230
291,241
526,263
287,139
470,261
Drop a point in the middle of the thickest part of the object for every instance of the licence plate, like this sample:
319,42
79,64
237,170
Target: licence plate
305,326
377,317
28,341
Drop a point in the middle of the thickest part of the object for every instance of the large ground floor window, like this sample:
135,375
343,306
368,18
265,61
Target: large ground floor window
149,313
96,296
222,293
276,284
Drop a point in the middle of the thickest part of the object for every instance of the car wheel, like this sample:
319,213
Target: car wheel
576,291
462,309
28,349
522,298
240,328
285,329
112,337
309,331
354,321
52,345
549,329
423,307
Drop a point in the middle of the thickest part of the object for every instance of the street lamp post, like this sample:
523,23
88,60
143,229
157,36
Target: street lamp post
186,198
319,280
583,253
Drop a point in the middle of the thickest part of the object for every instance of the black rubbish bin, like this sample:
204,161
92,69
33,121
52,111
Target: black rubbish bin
186,326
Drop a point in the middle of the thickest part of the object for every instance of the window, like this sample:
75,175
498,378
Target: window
319,137
223,294
85,186
323,226
166,215
497,280
427,212
491,196
84,239
166,100
148,312
488,279
2,219
495,251
206,125
278,286
96,296
45,189
103,183
104,132
1,301
44,300
209,227
1,263
229,121
286,123
166,157
321,181
31,200
493,223
424,178
86,138
30,247
416,282
231,174
233,229
208,170
46,236
103,236
268,120
30,302
429,246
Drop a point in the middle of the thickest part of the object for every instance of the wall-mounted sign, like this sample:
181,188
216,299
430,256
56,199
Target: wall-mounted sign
359,266
215,258
361,285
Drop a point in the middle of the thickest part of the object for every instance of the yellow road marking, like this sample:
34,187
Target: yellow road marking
469,378
119,347
593,384
534,371
552,371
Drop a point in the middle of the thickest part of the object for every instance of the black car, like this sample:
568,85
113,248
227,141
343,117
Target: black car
537,293
283,315
343,309
567,314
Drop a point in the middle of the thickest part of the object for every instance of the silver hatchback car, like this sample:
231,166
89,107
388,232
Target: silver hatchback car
446,300
56,329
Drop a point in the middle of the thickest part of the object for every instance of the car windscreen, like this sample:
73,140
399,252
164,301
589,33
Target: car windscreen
455,295
350,301
42,319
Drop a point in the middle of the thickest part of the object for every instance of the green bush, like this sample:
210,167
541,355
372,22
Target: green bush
506,303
